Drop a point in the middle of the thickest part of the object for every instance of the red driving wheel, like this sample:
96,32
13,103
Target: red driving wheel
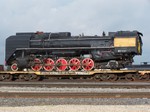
48,64
87,64
37,65
61,64
74,64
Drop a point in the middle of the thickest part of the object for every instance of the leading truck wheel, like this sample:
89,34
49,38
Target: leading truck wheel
14,66
87,64
36,65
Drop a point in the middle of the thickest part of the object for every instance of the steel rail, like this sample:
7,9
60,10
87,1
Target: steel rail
72,84
74,95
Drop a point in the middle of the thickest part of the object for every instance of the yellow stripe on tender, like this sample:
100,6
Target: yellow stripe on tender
124,42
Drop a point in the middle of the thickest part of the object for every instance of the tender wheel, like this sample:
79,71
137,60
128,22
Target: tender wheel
104,77
61,64
34,77
87,64
24,77
36,65
144,77
48,64
112,77
74,64
6,77
29,77
14,66
130,77
97,77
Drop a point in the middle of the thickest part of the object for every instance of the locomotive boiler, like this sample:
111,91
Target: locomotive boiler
61,51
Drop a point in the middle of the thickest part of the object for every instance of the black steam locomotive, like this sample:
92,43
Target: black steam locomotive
61,51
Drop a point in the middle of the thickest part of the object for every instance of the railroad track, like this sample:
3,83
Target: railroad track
73,90
61,84
74,95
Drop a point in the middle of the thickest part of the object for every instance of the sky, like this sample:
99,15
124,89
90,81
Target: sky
90,17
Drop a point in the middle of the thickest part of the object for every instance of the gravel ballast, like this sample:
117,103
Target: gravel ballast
73,104
70,90
72,101
79,108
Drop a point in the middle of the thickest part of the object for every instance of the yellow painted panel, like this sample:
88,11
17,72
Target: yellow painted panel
124,42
